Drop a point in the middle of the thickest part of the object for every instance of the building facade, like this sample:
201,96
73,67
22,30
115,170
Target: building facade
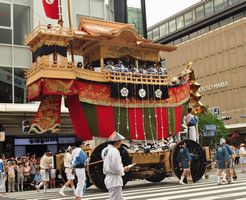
214,39
17,19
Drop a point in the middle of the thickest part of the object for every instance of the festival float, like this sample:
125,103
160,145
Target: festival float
120,85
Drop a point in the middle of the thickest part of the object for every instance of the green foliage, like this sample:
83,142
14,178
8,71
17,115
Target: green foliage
210,119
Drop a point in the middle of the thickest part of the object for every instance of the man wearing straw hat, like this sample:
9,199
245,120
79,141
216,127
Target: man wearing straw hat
113,167
228,175
68,170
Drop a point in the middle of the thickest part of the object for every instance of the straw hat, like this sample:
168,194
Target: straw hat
222,141
69,148
115,136
242,145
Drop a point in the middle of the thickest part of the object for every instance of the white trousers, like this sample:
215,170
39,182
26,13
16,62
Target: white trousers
192,133
80,173
115,193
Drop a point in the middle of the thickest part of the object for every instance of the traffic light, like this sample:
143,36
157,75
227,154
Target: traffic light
25,126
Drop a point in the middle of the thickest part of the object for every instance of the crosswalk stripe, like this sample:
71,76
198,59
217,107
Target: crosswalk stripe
191,193
221,196
168,189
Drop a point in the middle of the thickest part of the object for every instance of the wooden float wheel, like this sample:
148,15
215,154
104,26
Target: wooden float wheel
159,176
96,170
198,163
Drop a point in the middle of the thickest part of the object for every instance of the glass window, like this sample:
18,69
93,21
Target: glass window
134,12
109,4
172,25
194,34
5,36
21,23
163,30
5,14
219,5
178,41
180,22
185,38
239,16
209,9
150,35
188,18
226,21
20,86
5,85
214,26
156,34
199,12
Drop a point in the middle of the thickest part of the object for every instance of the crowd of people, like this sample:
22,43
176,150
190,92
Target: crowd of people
22,174
29,172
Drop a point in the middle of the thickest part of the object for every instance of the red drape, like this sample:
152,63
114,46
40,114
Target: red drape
178,112
135,116
78,118
105,120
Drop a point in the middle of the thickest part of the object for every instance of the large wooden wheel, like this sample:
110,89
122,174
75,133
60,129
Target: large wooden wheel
96,170
159,175
198,163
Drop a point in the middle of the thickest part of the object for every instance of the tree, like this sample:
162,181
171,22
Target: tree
207,119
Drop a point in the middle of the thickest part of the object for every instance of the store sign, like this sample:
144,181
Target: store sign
209,130
214,86
6,77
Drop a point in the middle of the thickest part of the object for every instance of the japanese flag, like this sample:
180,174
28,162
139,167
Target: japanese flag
51,8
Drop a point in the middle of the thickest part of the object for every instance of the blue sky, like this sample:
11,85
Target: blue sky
157,10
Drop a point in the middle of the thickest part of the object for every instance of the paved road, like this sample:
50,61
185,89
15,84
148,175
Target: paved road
142,190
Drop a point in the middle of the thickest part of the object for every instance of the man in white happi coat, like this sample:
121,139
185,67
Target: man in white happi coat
45,165
68,170
191,122
79,159
113,167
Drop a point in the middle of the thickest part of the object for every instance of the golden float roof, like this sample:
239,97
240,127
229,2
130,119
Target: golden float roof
91,31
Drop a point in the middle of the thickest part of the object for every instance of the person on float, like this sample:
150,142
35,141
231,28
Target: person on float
191,122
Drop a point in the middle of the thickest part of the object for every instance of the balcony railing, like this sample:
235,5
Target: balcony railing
58,31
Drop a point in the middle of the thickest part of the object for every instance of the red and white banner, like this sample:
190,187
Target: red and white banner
51,8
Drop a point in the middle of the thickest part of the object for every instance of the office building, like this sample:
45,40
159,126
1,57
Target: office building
211,34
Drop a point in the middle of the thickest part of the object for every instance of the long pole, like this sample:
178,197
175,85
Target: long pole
60,10
70,26
69,14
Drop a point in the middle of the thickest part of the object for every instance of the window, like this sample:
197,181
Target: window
5,15
163,30
219,5
150,35
134,12
5,23
199,13
180,22
21,23
188,18
6,36
209,9
156,34
172,25
20,86
5,85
